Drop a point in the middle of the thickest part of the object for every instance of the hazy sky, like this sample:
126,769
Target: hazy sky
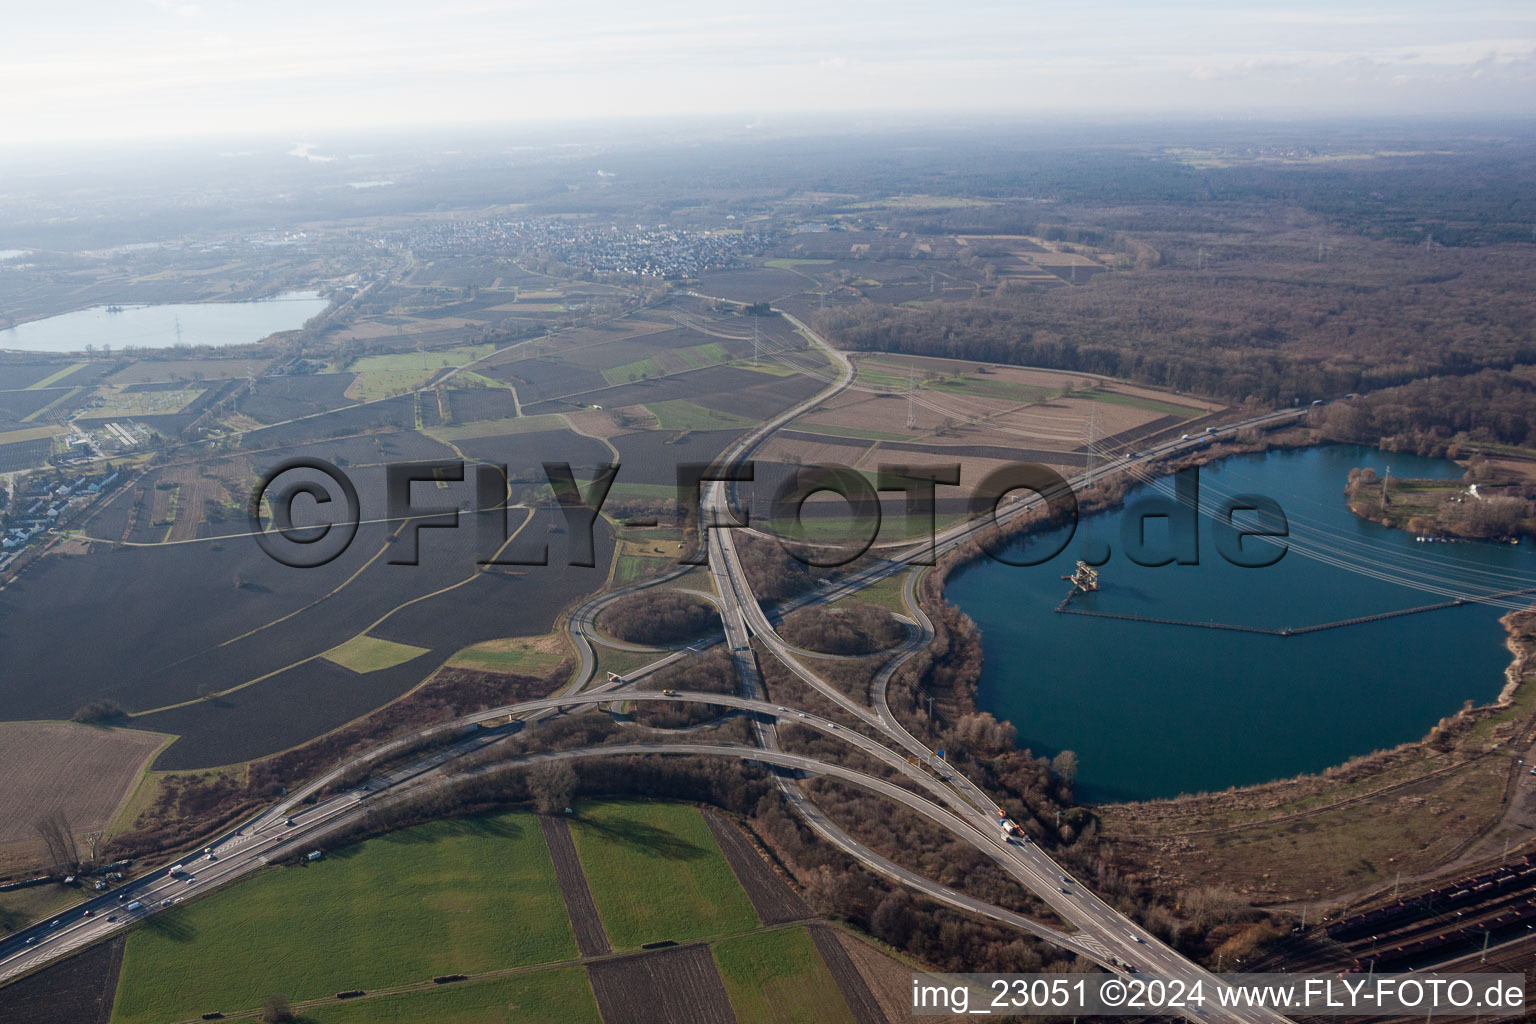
113,68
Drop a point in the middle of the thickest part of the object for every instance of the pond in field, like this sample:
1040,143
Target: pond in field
1153,710
165,325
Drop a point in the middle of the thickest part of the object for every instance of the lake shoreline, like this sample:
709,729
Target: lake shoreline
964,644
112,309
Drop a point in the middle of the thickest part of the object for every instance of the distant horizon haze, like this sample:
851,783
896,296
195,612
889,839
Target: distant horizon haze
161,69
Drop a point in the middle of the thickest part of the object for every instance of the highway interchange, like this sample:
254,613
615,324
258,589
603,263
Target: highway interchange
954,802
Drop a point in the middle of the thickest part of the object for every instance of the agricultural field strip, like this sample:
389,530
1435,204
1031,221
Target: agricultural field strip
586,923
669,986
656,874
861,1001
771,896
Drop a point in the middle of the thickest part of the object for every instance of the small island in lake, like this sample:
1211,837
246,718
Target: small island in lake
1483,504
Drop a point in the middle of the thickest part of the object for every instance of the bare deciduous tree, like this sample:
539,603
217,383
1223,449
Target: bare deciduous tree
54,830
275,1009
552,785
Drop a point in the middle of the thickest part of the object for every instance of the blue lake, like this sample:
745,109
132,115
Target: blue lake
1155,710
164,325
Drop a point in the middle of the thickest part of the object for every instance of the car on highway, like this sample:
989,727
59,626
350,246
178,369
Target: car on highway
165,903
191,879
1138,938
111,918
89,913
54,923
1066,892
783,708
32,940
802,714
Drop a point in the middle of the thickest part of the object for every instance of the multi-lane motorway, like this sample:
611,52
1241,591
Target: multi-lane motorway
951,800
1120,940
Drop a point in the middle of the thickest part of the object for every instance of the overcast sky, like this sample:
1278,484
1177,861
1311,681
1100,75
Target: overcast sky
82,69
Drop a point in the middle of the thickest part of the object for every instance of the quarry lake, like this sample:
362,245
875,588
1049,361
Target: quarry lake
1154,709
165,325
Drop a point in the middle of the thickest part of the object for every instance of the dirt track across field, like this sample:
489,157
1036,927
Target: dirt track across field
772,898
866,1009
591,939
670,986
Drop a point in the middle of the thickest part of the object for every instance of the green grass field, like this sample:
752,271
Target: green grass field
465,896
611,659
700,356
377,384
1137,402
31,434
637,370
432,359
364,654
876,376
506,656
679,414
656,873
636,567
790,264
560,995
778,977
386,375
885,594
53,378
